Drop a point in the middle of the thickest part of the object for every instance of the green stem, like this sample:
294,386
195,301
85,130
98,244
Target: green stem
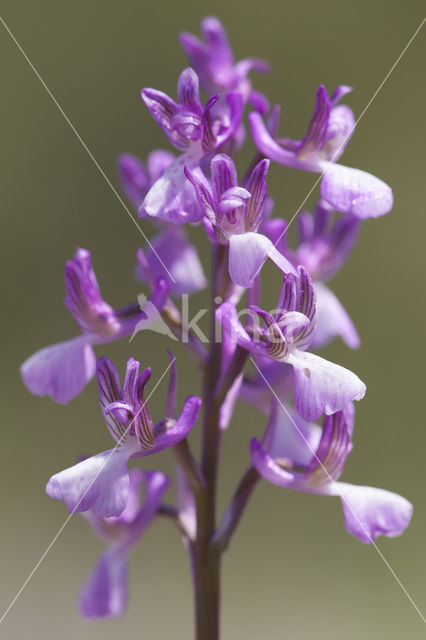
205,557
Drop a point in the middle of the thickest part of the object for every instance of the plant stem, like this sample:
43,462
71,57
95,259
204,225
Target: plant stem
208,546
236,509
205,557
190,467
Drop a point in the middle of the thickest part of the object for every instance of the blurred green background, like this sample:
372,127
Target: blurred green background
292,570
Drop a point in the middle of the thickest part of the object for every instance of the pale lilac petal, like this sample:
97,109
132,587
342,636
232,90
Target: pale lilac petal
265,143
223,175
353,191
61,370
100,483
181,259
321,386
185,503
105,593
294,322
156,484
189,91
133,178
276,229
171,435
371,512
83,297
197,54
235,104
204,199
256,185
289,436
172,197
276,375
136,478
110,392
329,460
157,162
317,130
216,38
227,315
333,320
228,405
341,126
243,67
269,469
171,401
258,101
233,198
247,254
340,91
163,109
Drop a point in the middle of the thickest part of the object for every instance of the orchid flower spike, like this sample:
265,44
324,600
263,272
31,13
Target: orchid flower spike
298,455
213,60
101,483
62,370
346,189
320,386
193,129
104,595
236,214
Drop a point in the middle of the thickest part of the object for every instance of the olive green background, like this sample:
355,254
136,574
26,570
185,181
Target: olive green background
292,570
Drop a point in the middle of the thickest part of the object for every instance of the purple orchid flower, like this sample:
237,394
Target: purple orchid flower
101,483
136,179
191,128
236,214
62,370
346,189
296,454
104,594
178,255
324,246
213,60
320,386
